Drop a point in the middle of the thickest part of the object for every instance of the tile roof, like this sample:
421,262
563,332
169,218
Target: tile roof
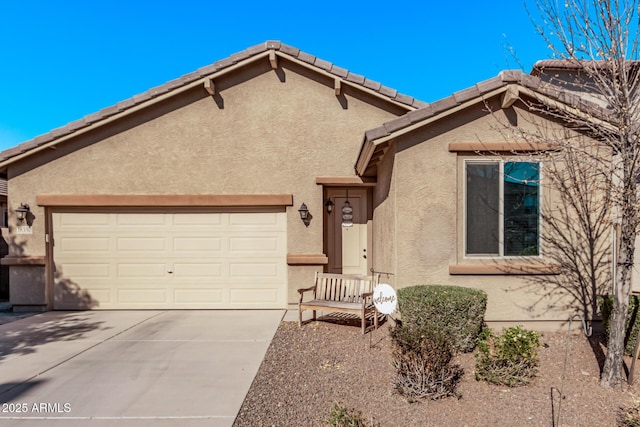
567,64
320,64
502,80
440,108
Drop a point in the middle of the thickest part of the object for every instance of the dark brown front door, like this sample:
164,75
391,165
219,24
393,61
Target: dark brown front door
360,203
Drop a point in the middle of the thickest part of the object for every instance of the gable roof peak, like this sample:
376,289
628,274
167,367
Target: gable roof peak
189,80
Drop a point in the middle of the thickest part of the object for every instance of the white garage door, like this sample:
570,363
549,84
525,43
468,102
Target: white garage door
169,260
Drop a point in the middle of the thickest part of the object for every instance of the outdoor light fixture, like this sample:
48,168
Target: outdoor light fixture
22,211
329,205
347,214
305,216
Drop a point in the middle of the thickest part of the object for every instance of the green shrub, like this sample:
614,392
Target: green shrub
629,416
422,359
509,359
456,311
633,320
341,416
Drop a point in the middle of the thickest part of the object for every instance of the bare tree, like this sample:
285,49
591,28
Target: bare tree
598,41
580,229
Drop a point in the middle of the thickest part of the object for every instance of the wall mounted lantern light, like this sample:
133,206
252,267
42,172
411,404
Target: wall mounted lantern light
22,211
305,215
329,205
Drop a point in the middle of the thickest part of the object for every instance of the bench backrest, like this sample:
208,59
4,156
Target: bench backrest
343,287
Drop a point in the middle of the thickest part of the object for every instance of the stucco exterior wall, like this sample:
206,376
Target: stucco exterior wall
265,132
384,219
426,208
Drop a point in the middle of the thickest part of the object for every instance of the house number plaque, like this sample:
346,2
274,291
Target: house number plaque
24,229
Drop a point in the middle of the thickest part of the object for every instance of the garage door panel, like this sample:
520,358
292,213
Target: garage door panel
71,220
89,271
195,269
198,244
253,244
141,221
139,244
253,269
238,220
148,270
190,221
84,245
71,298
170,260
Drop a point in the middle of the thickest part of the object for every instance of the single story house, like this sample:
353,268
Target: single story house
188,196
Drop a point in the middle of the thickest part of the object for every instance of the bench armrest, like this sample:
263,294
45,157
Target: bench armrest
303,290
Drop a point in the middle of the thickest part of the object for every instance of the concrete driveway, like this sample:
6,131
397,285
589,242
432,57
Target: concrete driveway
131,368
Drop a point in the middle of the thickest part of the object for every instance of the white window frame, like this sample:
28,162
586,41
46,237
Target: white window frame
500,162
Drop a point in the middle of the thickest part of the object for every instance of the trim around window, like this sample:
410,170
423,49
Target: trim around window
501,209
505,269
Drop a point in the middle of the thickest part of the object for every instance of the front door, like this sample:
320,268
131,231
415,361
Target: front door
346,247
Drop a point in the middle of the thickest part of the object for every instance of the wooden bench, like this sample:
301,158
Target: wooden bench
341,293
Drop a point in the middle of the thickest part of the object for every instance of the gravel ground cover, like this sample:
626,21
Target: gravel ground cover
306,370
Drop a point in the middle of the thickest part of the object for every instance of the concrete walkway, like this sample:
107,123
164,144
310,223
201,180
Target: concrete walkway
131,368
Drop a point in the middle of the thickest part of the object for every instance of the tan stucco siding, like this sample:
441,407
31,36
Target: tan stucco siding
270,137
428,211
384,219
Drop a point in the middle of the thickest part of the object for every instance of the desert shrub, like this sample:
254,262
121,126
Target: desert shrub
633,320
629,416
456,311
342,416
422,357
509,359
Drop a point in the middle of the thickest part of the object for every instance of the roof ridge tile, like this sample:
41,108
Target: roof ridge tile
419,104
466,94
376,133
388,91
489,84
355,78
273,44
203,71
321,63
372,84
420,114
306,57
339,71
405,99
510,76
444,104
290,50
397,123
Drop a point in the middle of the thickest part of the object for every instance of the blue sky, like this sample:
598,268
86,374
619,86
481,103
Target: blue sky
64,59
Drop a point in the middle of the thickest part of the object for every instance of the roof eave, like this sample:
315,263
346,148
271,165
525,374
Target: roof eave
203,77
126,112
512,91
369,145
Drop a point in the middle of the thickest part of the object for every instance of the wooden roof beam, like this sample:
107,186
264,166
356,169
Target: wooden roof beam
510,96
210,86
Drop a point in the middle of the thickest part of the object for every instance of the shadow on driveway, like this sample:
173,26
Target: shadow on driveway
25,336
10,393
